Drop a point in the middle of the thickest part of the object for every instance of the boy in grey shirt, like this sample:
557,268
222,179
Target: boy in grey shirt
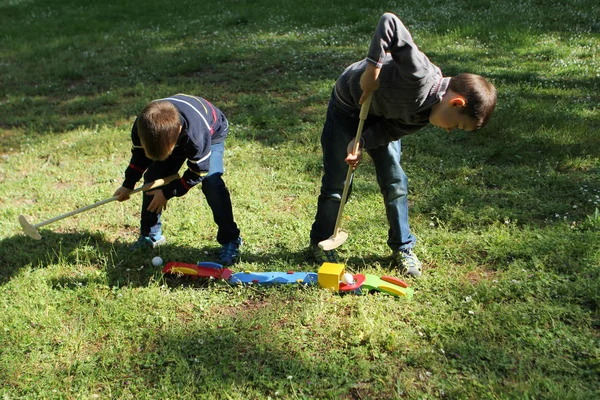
408,92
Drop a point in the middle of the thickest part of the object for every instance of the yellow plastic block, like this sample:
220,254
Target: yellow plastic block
396,290
330,275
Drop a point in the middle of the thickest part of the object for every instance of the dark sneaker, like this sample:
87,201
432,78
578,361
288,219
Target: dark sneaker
321,256
408,263
144,242
230,252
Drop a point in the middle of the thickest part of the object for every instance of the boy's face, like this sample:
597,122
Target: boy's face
447,114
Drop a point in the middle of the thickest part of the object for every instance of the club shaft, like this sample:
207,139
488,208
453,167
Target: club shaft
364,112
146,187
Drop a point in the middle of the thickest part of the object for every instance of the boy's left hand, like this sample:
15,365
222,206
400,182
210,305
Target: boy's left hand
159,201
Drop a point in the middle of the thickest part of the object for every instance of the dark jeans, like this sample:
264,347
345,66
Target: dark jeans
339,129
213,187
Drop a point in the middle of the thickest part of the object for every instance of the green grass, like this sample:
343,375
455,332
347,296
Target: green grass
507,219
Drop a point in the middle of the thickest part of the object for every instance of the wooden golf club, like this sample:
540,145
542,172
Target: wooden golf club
31,230
339,237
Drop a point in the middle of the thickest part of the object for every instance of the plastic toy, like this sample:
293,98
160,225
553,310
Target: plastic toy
202,269
388,284
270,278
354,287
330,275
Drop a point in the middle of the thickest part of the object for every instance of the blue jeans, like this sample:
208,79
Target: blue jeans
339,129
213,187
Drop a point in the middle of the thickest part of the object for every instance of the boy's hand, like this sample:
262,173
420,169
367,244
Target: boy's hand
368,81
159,202
353,159
122,193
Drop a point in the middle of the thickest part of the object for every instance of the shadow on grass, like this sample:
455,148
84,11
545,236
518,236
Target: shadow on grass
122,267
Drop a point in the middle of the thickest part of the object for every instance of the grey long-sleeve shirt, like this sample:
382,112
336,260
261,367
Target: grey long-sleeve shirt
409,84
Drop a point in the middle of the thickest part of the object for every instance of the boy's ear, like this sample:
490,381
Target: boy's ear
458,101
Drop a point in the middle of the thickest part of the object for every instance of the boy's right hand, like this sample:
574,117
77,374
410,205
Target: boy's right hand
122,193
353,159
368,81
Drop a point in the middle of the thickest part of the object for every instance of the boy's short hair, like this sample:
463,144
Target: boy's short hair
158,126
480,96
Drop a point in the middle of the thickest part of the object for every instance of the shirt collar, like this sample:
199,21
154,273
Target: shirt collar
442,88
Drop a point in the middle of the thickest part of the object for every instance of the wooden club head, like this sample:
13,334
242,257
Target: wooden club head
29,229
334,241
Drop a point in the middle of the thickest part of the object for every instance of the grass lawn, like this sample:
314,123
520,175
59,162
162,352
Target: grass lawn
507,219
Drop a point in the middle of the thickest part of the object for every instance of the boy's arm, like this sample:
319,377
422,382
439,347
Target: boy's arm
198,164
138,162
368,81
391,36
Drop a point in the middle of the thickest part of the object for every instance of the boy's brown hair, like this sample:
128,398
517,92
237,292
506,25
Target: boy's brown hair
480,96
158,126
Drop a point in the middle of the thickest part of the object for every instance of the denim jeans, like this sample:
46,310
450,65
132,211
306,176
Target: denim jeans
213,187
339,129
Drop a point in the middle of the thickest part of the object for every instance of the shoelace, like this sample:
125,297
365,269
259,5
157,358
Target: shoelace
409,261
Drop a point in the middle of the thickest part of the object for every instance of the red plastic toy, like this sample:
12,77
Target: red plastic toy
202,269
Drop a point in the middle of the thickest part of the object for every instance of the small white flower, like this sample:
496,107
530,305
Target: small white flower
471,312
289,377
468,299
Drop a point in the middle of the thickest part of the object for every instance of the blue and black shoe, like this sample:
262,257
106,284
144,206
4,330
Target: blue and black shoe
230,252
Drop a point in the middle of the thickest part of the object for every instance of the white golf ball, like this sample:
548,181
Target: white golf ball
157,261
347,278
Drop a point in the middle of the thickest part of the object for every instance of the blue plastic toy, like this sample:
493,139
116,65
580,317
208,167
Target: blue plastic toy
270,278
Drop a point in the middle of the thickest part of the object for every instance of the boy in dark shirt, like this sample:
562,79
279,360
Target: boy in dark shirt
408,92
167,133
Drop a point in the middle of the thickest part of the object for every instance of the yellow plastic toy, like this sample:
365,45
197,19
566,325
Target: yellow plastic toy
330,275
